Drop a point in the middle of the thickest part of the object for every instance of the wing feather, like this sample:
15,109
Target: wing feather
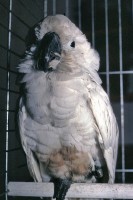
107,127
32,162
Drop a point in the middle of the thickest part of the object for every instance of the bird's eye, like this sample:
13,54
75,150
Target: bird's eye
72,44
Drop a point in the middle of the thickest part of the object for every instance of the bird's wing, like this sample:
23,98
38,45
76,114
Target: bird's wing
107,127
31,159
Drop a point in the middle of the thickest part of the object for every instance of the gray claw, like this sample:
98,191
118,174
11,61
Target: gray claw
98,173
61,187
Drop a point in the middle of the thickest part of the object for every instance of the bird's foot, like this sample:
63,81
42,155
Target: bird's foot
61,187
98,173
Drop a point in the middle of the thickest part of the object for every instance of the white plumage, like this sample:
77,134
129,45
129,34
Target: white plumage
67,126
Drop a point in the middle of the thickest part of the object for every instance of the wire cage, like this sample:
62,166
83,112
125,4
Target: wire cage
108,25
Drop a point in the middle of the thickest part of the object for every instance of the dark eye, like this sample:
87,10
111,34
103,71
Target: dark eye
72,44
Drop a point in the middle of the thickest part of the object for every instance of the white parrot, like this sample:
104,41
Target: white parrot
67,126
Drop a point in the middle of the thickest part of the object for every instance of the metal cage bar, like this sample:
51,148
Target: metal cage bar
93,22
132,11
121,91
107,47
79,13
21,2
15,16
7,71
8,95
54,7
45,8
67,8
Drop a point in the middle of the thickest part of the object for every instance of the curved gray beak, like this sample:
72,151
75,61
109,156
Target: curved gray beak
49,49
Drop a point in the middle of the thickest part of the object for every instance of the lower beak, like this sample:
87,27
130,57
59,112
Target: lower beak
54,56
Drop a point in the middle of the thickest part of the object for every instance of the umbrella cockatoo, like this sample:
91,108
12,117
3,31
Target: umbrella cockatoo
67,126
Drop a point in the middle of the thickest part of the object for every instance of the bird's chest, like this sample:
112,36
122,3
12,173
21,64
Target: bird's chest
63,103
71,113
53,103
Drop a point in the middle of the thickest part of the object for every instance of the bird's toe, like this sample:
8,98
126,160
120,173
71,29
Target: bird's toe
61,187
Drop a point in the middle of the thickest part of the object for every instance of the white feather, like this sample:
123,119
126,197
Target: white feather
67,107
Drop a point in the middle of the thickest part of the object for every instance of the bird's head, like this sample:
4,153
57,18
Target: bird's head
57,44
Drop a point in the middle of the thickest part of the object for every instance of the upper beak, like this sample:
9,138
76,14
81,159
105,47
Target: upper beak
49,49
